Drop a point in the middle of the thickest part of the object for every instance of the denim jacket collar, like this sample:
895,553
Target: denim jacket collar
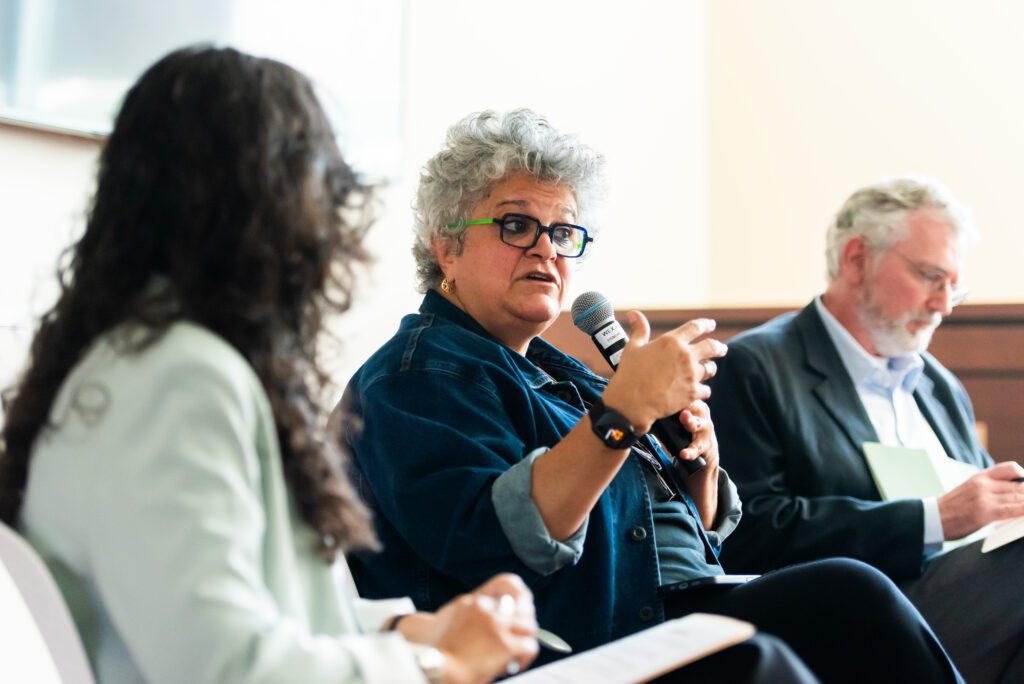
543,363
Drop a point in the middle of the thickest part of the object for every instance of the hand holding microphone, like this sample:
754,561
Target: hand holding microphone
655,380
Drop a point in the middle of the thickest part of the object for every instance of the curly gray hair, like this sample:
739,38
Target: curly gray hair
878,214
481,150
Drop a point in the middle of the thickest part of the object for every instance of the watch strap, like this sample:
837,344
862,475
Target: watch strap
611,427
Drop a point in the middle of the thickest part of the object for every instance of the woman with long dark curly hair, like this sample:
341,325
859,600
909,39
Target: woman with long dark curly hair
165,449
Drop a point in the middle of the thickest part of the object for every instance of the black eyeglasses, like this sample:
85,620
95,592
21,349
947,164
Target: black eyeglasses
523,232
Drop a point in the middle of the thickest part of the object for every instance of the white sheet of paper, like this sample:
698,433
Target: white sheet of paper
1003,533
952,473
645,655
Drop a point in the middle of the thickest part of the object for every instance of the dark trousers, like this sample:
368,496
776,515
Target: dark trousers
970,599
844,619
762,659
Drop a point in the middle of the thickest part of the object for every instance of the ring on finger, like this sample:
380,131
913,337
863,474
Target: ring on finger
512,667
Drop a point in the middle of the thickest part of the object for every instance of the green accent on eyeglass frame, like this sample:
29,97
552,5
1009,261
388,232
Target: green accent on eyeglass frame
578,246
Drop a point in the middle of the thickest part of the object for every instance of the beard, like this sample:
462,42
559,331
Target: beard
891,336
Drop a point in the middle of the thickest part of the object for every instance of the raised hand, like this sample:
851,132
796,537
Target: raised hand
661,377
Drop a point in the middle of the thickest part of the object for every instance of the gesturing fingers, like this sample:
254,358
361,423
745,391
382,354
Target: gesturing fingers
639,329
691,330
710,368
709,348
657,377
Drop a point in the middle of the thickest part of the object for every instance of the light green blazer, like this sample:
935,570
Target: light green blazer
159,503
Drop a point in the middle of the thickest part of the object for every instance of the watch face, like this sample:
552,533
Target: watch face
614,431
614,435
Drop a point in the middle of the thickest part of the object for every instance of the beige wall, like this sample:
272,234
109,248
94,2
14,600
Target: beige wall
630,79
45,181
811,99
733,128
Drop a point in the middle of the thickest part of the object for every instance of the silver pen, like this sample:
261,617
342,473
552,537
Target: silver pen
552,641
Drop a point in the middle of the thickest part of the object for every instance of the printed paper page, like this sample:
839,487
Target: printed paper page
643,656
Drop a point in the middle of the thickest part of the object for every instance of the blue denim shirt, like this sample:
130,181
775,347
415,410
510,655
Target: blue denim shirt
451,423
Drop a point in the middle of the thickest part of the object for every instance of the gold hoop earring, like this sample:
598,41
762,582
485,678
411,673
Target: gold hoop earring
447,287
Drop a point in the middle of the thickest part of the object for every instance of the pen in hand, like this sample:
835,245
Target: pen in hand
547,639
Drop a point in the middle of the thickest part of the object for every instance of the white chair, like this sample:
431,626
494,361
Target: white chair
38,639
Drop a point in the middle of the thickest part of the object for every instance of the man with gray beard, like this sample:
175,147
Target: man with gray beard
796,399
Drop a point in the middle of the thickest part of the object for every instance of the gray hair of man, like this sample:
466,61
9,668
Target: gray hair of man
878,214
481,150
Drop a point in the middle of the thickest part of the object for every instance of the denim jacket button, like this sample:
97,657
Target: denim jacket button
638,533
645,614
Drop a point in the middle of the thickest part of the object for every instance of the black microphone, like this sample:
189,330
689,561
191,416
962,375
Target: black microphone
593,314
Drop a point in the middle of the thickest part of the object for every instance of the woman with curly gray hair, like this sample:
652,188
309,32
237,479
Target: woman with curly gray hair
482,150
485,448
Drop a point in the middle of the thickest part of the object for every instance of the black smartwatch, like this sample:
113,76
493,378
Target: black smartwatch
611,427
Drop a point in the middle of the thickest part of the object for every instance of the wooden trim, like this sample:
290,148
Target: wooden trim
965,315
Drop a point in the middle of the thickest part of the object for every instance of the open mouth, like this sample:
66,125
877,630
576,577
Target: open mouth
542,277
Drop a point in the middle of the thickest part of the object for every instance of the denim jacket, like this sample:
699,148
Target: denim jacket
451,421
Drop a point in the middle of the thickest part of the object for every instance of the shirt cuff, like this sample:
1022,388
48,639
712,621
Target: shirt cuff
933,535
523,526
384,659
372,614
730,510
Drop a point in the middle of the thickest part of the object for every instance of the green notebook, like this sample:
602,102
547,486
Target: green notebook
902,473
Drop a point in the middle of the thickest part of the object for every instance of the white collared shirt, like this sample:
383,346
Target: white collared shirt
886,389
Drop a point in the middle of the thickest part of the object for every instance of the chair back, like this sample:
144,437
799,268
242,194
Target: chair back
38,639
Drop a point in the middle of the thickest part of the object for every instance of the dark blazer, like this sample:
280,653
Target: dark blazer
790,427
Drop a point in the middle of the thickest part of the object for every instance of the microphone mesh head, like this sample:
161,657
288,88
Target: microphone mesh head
590,310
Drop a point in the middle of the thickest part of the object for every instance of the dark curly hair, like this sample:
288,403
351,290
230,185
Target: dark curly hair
222,180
